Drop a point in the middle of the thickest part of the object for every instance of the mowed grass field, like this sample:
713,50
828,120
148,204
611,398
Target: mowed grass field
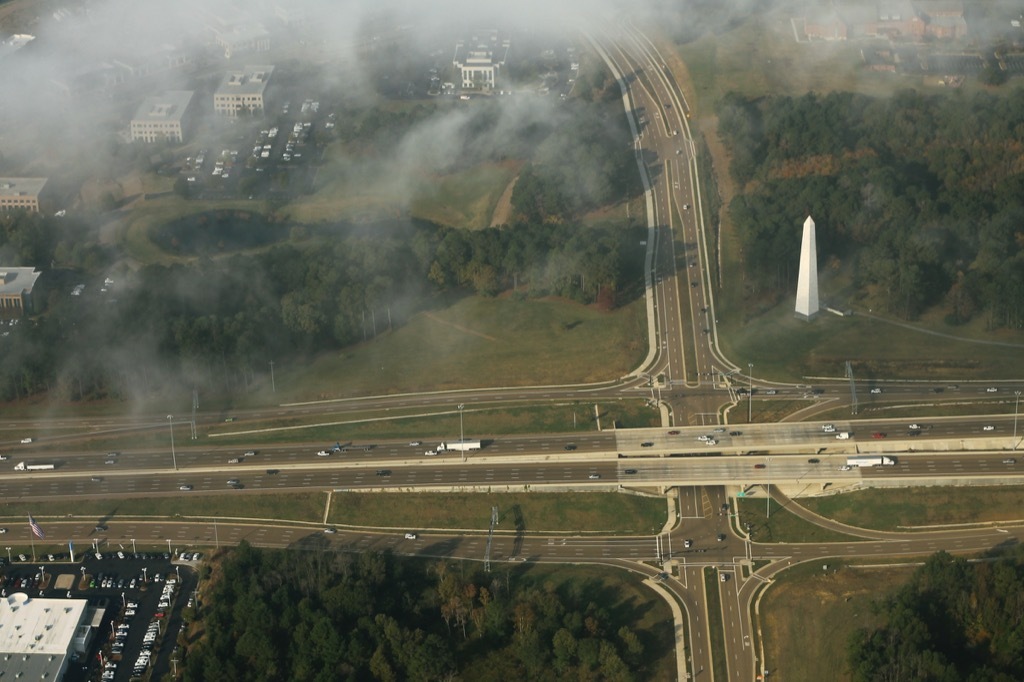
782,525
528,512
901,508
808,615
480,342
784,348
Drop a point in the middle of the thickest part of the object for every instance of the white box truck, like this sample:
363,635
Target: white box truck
459,445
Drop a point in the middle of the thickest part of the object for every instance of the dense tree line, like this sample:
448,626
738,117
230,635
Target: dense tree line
272,615
920,195
220,317
578,167
953,621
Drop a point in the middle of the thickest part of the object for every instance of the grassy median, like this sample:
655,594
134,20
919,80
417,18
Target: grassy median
598,513
716,631
530,512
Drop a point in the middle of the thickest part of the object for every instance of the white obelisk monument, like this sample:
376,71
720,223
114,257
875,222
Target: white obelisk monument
807,280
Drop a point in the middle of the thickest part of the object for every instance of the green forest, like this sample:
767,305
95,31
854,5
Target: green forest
920,198
954,621
313,615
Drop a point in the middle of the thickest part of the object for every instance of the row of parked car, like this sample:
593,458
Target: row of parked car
26,583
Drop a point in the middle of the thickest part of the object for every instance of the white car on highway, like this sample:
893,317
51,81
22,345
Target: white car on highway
323,453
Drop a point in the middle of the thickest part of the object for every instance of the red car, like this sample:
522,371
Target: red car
673,433
878,434
759,466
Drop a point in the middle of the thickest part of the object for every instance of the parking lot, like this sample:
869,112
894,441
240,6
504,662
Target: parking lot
144,595
257,159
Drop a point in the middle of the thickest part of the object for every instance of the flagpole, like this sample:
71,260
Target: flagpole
34,532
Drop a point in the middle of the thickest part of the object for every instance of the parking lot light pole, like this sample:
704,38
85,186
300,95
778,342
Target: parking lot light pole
133,546
462,433
750,392
170,425
169,547
145,578
8,555
1016,404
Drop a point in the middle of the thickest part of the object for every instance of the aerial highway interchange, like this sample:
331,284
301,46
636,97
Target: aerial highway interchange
685,374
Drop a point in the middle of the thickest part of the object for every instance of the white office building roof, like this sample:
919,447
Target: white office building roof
14,280
167,106
37,635
19,187
252,80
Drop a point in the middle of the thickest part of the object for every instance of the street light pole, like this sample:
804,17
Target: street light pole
768,488
1016,404
133,546
273,385
169,546
8,555
170,425
750,392
462,433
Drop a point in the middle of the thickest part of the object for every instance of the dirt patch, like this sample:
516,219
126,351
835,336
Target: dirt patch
503,209
465,330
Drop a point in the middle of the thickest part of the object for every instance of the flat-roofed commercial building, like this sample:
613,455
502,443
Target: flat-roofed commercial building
38,636
242,90
479,59
163,117
16,285
21,193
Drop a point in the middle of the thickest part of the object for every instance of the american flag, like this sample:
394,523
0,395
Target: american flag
36,530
